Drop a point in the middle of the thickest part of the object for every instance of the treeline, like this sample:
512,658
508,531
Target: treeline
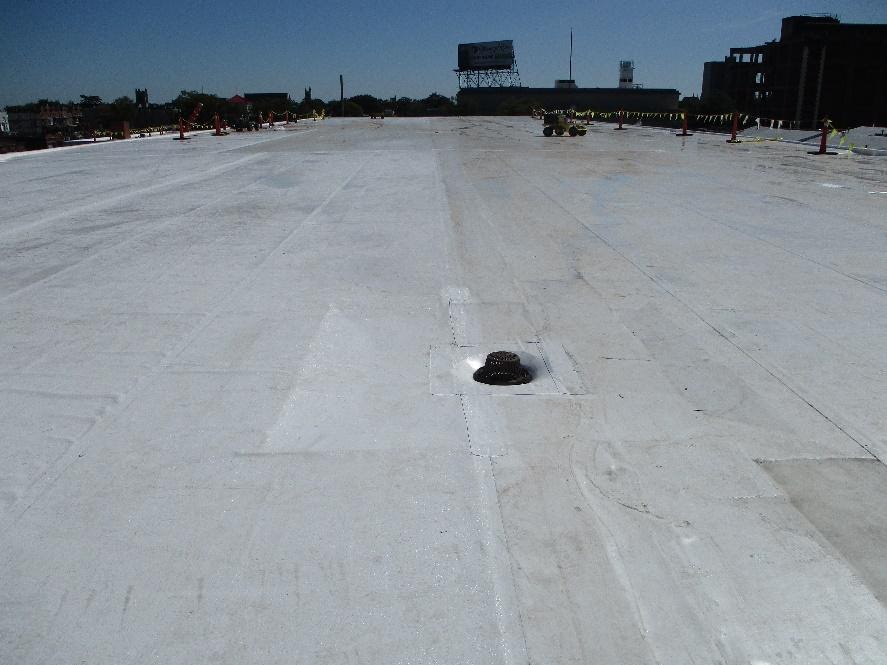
433,105
124,108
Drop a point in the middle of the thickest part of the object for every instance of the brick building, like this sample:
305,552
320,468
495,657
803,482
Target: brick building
818,67
48,118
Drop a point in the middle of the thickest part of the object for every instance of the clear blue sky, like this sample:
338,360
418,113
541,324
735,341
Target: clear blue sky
61,49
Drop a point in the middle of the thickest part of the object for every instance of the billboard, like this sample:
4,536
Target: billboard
486,55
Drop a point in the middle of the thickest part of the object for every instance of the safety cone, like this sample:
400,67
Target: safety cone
823,140
621,118
684,126
181,136
733,138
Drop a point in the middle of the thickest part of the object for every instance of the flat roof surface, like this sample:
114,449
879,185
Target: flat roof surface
239,425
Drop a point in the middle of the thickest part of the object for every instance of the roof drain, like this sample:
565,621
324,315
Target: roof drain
503,368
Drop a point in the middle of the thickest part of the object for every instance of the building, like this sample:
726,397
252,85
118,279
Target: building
626,74
818,67
498,99
241,102
37,120
4,122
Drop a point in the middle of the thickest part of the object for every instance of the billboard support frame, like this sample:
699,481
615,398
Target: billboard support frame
489,78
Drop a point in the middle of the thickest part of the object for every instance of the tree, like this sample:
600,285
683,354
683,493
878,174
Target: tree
352,110
406,107
437,104
368,103
188,100
90,100
123,108
307,106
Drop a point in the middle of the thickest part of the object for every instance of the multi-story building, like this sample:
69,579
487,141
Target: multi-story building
819,67
47,118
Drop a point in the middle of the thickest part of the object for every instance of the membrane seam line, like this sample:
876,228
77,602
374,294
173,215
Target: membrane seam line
71,456
696,314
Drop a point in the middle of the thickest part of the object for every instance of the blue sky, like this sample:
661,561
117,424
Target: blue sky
61,49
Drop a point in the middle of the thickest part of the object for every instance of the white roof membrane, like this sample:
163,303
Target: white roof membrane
237,423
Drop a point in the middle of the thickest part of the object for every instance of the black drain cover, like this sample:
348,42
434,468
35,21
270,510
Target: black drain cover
503,368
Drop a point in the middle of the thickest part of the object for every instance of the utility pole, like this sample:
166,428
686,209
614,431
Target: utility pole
571,54
342,93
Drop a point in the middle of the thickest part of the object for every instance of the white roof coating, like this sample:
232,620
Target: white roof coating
238,426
